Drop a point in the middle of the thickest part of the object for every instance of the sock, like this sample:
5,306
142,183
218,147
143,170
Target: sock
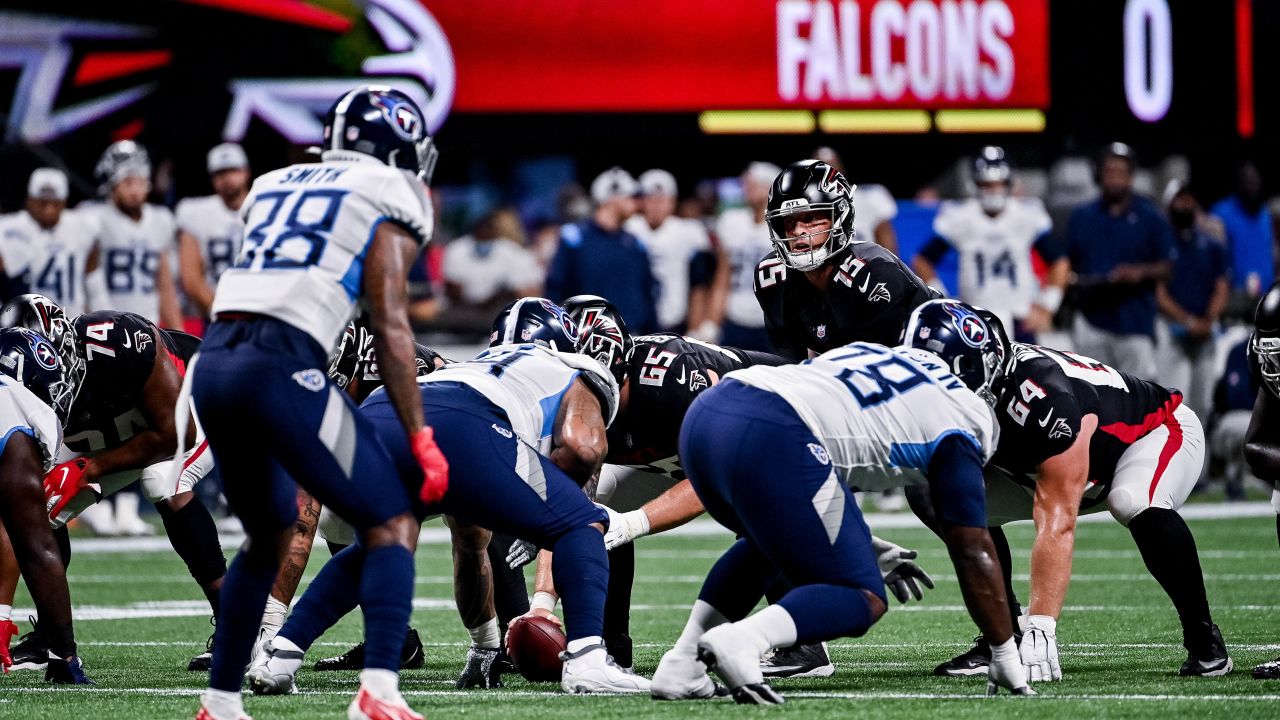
274,615
332,594
244,593
486,635
772,626
1169,550
822,612
617,604
194,537
510,592
6,612
581,574
63,537
386,597
223,704
702,618
574,646
384,684
1005,556
738,580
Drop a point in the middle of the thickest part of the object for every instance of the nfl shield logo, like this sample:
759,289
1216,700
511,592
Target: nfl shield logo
820,332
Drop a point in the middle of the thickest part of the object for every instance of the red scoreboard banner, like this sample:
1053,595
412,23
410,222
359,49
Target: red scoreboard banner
691,55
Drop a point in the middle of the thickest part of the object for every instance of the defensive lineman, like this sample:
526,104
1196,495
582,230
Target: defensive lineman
318,238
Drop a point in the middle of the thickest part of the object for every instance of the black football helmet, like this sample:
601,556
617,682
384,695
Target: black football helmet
355,360
1264,344
535,320
43,316
602,334
810,186
384,123
973,350
30,359
121,159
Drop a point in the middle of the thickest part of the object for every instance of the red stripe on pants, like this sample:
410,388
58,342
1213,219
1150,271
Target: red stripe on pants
1171,446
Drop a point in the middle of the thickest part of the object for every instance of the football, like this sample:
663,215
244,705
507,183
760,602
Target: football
534,645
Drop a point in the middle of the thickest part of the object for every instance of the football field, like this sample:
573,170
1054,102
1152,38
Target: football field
139,619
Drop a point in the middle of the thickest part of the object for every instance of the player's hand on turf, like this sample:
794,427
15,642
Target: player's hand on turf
483,669
63,483
7,630
521,553
1006,671
901,575
435,469
1039,649
624,527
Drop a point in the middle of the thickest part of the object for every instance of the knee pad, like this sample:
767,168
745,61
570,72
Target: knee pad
1124,506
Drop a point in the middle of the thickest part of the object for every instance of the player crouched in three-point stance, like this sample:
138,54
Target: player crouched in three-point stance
36,393
773,452
524,427
1262,442
318,237
123,428
1077,436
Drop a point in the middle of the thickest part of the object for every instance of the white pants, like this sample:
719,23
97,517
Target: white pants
625,489
1158,470
1275,500
1134,354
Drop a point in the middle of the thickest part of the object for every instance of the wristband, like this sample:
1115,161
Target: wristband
1050,298
543,601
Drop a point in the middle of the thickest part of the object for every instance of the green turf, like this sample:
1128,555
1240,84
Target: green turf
1120,643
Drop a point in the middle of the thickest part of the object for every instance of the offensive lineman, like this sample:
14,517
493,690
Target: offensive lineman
1262,441
774,452
210,228
318,238
51,250
994,235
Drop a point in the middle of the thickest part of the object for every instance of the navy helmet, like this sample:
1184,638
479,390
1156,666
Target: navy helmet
810,186
384,123
43,316
30,359
602,334
535,320
1264,344
991,165
972,347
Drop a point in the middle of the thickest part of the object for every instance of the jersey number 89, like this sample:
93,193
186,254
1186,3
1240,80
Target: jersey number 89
297,242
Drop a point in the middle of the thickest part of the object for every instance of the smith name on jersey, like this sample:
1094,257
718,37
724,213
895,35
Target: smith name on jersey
879,412
868,299
1045,395
120,355
307,231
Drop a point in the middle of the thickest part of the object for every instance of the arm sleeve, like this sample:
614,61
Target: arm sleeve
936,249
955,481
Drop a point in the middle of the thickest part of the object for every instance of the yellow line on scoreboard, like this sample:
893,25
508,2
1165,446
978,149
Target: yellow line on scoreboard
756,121
983,121
874,121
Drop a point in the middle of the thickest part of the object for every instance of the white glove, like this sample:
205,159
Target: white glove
1006,670
521,553
1039,649
899,573
624,527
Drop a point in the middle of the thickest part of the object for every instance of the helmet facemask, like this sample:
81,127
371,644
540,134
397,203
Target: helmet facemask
839,212
1267,351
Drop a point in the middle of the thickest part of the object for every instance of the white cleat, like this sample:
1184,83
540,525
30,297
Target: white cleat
591,670
265,634
681,677
736,659
273,672
367,706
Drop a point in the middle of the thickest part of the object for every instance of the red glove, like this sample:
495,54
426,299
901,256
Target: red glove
7,630
63,483
435,469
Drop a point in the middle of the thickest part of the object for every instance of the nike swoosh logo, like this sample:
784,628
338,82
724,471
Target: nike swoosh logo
680,379
127,341
1047,418
865,281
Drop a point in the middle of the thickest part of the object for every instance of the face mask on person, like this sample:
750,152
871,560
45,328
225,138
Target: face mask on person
1182,219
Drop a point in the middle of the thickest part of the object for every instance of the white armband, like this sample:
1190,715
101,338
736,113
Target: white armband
1050,298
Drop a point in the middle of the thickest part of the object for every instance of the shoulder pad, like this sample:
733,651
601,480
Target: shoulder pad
597,379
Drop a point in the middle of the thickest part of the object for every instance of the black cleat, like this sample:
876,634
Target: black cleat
31,652
412,656
1267,670
203,661
1206,654
757,694
973,661
66,672
798,661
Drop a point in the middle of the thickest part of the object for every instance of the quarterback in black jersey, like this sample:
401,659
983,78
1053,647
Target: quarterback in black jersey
821,287
123,428
1262,440
1078,436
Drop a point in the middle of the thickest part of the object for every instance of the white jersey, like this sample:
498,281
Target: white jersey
872,205
307,230
528,382
672,246
217,230
21,411
53,261
995,253
745,242
879,412
131,255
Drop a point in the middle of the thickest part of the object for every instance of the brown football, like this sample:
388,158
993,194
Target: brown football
534,645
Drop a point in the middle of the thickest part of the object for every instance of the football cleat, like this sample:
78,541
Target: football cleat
973,661
368,707
798,661
206,714
412,656
681,677
484,669
757,694
31,652
1267,670
203,661
591,670
273,672
737,662
1206,655
66,672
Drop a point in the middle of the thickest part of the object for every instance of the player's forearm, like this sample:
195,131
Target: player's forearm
145,448
1218,301
398,367
978,569
543,582
699,306
170,308
1051,560
673,508
1169,307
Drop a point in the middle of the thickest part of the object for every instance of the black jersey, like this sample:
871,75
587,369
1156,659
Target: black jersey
665,375
868,299
120,355
1045,395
